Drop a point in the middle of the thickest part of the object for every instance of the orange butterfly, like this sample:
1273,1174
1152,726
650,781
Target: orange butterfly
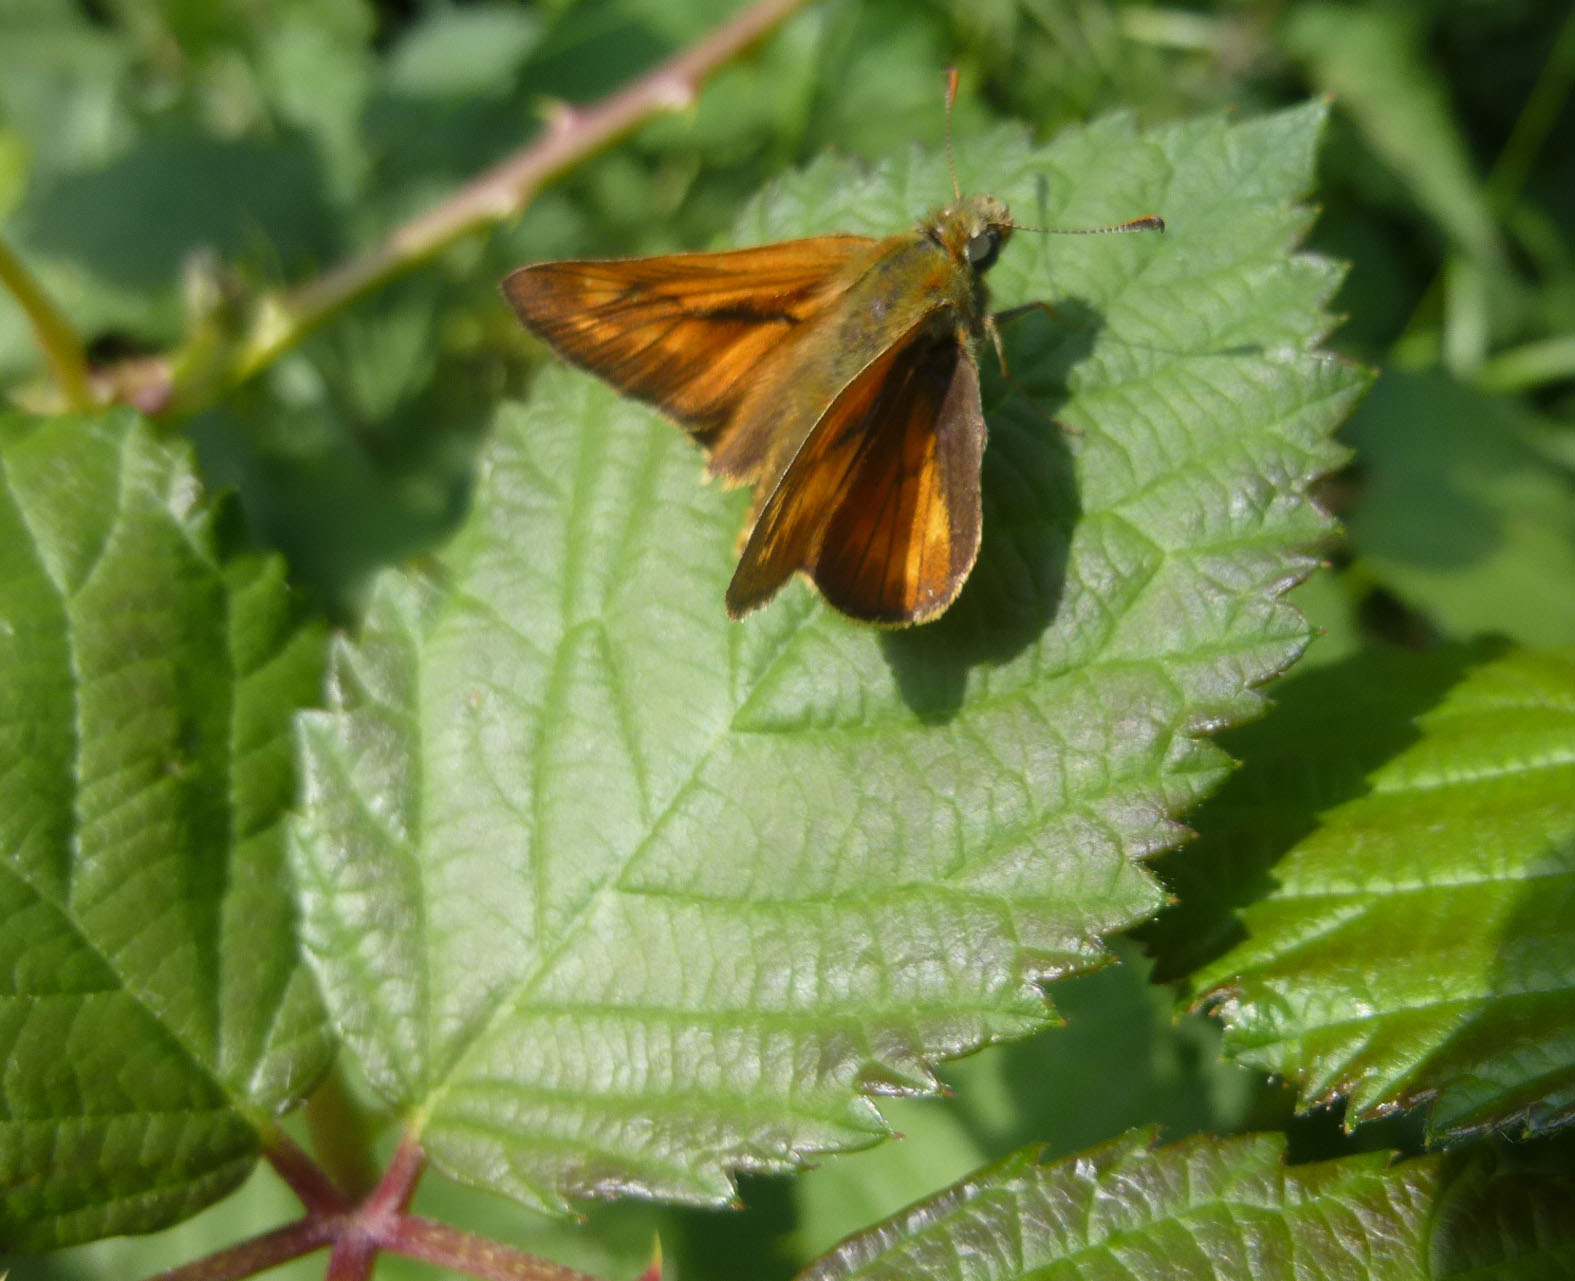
835,374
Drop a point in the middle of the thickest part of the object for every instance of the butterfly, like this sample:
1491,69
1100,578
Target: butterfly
836,375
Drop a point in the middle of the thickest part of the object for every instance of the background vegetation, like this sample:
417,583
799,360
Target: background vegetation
165,165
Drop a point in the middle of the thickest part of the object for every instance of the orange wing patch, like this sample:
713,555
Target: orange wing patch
881,505
688,333
903,539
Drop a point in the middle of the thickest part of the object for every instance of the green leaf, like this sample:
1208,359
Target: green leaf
1460,514
1419,940
153,1011
45,47
1212,1208
317,72
455,52
113,241
1370,58
1123,1060
1329,728
610,894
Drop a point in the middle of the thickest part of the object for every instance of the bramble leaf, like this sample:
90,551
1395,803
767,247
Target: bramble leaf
610,894
1417,942
1213,1209
153,1009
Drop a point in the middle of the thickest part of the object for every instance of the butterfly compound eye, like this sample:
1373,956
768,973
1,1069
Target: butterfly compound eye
982,248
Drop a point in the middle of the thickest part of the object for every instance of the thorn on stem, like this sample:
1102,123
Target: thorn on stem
676,95
562,118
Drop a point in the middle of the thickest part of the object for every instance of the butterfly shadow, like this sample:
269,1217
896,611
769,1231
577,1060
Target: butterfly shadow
1031,507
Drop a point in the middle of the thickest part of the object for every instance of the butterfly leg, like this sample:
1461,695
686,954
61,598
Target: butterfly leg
1017,313
992,327
994,330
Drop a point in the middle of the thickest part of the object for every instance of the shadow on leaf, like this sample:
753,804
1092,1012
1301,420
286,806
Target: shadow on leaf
1330,728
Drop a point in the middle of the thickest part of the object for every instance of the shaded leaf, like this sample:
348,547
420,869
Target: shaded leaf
1417,942
1369,56
153,1010
1330,728
1056,1091
1212,1208
1460,515
455,52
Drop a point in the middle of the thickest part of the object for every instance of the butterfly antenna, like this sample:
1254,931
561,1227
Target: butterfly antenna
951,97
1148,222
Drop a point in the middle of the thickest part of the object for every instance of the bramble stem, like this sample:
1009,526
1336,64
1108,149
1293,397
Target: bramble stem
358,1234
304,1176
257,1255
419,1238
501,192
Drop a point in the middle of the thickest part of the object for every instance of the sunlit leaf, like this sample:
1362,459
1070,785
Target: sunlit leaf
609,893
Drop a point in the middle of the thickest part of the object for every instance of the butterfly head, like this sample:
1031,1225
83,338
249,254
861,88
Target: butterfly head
972,229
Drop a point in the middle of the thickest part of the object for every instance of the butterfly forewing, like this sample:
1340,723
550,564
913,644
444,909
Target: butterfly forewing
689,333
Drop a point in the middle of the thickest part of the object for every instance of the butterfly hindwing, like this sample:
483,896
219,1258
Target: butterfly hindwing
900,544
881,504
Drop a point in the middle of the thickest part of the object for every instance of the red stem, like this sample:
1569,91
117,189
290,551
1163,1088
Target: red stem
359,1234
448,1247
352,1259
303,1175
393,1192
258,1254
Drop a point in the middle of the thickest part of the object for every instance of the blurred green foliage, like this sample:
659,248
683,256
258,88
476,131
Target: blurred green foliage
153,152
159,158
